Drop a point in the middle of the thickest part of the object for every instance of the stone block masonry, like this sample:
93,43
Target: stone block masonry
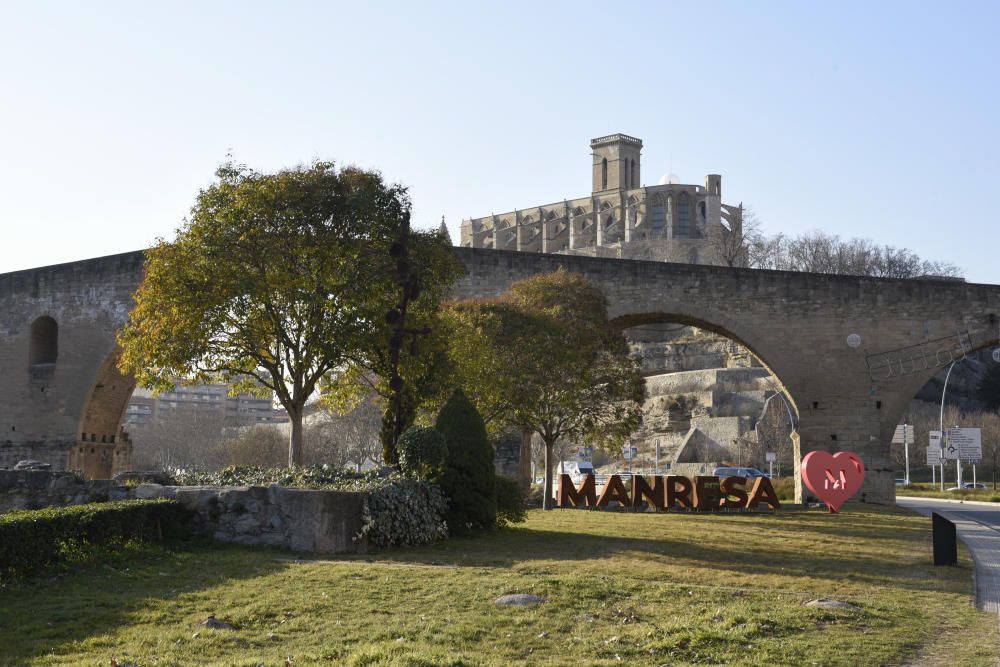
62,393
302,520
35,489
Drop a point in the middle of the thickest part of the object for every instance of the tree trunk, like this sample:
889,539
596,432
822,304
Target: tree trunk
295,438
524,459
549,463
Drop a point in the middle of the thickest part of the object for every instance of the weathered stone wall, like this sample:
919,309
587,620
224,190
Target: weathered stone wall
507,455
48,409
306,520
797,324
35,489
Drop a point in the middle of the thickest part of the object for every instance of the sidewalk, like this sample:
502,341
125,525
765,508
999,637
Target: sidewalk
979,530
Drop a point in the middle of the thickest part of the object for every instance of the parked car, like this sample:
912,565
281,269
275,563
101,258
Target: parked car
900,481
969,486
728,471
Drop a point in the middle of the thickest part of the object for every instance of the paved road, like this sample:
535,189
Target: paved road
979,528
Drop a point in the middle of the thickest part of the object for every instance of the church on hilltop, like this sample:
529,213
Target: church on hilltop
622,218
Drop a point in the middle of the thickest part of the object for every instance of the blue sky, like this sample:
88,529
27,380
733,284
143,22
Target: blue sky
862,119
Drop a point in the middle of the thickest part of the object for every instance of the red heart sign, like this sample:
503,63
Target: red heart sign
834,478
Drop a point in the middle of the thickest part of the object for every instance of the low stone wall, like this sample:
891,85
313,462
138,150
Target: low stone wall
35,489
306,520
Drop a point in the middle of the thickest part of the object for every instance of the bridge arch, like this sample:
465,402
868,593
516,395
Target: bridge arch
717,324
103,447
691,430
912,382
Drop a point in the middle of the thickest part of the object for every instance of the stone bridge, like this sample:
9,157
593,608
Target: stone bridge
849,351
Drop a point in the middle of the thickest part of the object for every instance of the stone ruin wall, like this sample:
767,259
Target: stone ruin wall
303,520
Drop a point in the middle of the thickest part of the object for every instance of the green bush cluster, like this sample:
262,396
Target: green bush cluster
36,540
511,503
468,480
422,452
404,512
301,477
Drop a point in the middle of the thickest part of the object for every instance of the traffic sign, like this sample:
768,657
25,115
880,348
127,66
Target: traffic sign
933,456
941,444
903,435
630,452
770,456
996,355
968,442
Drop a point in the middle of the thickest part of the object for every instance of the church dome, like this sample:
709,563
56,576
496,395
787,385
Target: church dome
668,178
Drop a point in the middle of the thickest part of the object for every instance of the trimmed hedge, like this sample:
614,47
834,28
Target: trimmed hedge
36,540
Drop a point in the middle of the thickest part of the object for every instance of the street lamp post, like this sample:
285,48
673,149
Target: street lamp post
944,437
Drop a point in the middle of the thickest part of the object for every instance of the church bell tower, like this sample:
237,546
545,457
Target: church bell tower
616,162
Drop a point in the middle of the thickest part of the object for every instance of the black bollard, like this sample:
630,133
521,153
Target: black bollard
945,544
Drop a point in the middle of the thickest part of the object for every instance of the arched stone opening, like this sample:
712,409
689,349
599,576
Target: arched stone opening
711,398
43,348
946,394
103,448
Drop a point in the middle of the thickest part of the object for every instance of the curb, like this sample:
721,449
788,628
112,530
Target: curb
984,503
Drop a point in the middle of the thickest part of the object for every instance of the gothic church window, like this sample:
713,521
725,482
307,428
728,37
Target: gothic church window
604,174
657,215
684,217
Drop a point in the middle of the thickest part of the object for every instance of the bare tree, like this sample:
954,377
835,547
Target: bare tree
774,431
733,245
264,446
347,438
181,439
818,252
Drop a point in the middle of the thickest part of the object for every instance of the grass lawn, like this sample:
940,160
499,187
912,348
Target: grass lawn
928,490
619,589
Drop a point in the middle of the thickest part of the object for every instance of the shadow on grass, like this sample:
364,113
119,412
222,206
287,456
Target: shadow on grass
43,614
836,548
97,600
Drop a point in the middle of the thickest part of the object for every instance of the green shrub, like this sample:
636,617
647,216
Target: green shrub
301,477
422,452
404,512
510,501
36,540
468,480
